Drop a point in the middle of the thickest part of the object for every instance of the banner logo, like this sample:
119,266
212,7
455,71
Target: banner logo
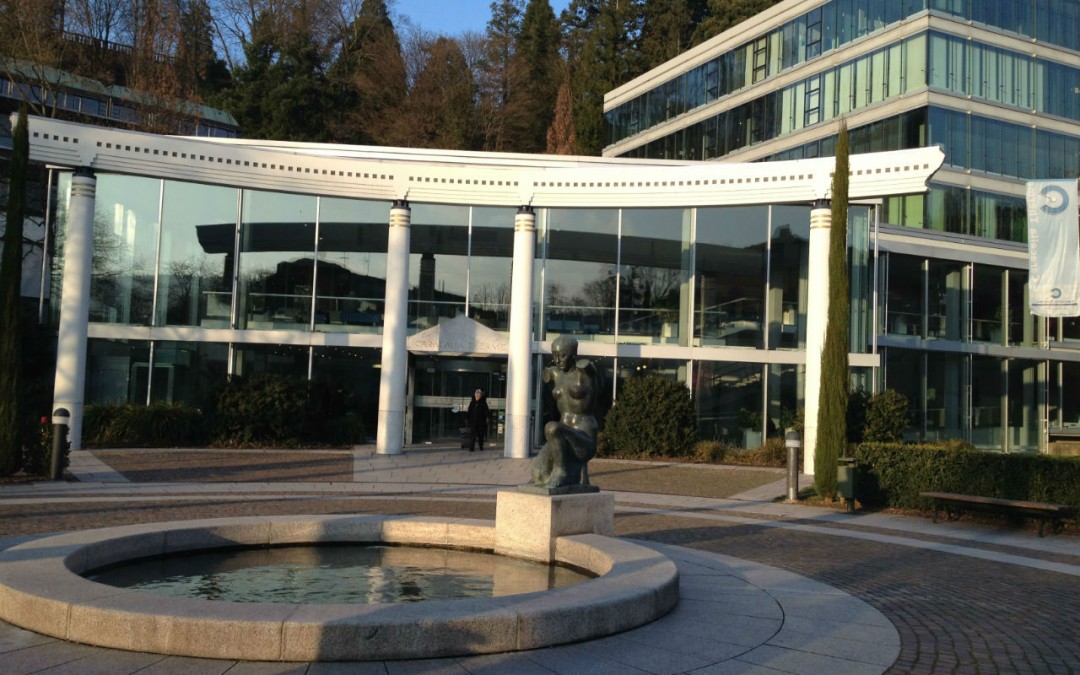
1056,199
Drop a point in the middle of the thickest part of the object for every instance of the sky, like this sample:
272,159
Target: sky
453,17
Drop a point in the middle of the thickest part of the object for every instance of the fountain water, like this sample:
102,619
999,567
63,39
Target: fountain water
41,589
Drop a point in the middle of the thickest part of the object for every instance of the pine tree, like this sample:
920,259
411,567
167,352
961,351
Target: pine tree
280,93
724,14
833,397
541,69
561,136
10,291
602,43
367,78
439,110
498,77
666,29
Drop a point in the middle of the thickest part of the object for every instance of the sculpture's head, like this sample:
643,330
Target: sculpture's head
564,352
478,394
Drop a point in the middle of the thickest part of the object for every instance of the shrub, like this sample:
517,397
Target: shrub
711,451
893,474
277,411
158,425
772,452
888,415
652,417
262,410
37,451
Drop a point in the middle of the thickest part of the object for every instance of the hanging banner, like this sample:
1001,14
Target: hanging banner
1053,248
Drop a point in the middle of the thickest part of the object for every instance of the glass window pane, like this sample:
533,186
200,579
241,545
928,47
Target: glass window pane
788,264
728,398
277,260
654,275
581,273
490,264
198,244
125,248
729,283
350,286
438,264
189,372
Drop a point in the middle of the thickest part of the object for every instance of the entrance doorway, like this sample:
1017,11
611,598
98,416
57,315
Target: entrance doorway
441,390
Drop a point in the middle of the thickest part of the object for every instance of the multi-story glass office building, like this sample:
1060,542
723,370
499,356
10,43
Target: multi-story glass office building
995,84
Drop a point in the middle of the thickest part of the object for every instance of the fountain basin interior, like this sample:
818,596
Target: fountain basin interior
336,573
41,590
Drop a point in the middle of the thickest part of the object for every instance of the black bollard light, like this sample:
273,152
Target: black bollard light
61,419
792,442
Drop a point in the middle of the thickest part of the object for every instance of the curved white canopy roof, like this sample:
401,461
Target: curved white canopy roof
470,178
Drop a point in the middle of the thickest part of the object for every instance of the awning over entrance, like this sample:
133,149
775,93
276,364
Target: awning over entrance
459,336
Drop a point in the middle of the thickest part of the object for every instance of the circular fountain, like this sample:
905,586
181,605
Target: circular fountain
41,589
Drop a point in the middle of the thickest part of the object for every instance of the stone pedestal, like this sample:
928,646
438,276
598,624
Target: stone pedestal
526,525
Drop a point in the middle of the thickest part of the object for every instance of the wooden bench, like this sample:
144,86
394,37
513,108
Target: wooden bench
951,503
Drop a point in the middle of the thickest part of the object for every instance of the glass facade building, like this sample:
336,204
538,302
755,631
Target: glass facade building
996,85
191,283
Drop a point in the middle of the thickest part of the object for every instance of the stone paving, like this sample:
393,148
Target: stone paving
954,597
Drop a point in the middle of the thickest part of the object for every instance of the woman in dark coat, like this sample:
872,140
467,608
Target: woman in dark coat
477,417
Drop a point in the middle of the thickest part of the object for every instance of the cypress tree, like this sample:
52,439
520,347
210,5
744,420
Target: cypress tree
833,397
10,288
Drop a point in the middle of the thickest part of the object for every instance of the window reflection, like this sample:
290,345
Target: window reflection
125,248
198,230
491,253
653,274
438,264
729,290
350,286
277,260
580,273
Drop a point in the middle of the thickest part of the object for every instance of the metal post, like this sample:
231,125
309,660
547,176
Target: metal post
60,420
792,442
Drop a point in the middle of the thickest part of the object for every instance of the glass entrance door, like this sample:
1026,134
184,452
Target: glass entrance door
442,390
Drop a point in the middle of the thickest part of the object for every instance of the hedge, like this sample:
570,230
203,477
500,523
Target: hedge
158,425
893,474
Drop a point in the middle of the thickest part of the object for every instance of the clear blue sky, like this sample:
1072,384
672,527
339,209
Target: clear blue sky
453,17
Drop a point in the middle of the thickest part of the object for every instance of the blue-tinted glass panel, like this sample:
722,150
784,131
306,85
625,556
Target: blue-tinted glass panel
350,284
125,249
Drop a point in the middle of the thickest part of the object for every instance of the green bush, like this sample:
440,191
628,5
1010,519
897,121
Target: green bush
893,474
888,415
262,410
37,451
711,451
771,453
158,425
652,417
278,411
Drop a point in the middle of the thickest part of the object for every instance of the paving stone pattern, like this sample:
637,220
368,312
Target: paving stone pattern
964,597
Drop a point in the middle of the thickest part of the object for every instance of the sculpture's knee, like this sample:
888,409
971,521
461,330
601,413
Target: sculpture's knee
551,430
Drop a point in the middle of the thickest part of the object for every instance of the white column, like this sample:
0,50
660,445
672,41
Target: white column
519,366
70,384
817,317
395,357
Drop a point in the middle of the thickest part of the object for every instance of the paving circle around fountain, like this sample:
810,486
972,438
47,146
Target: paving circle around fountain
41,590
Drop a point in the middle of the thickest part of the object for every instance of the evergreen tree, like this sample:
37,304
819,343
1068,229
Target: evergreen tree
602,45
833,396
281,92
724,14
10,292
542,69
667,27
561,136
439,110
367,78
498,77
199,70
